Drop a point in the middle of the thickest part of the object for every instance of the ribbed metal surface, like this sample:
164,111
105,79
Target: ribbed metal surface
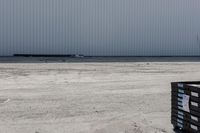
100,27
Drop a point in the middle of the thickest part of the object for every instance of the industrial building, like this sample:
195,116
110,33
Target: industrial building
100,27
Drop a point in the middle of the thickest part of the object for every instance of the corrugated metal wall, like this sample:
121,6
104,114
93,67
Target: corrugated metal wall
100,27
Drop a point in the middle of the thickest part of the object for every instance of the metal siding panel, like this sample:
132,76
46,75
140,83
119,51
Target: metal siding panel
100,27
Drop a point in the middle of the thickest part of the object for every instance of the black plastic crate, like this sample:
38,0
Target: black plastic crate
185,106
